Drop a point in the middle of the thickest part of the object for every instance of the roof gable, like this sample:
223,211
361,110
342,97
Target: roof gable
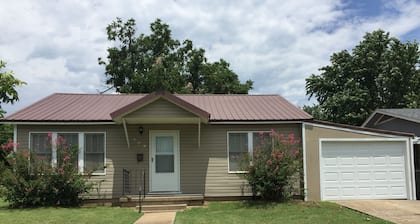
155,96
160,108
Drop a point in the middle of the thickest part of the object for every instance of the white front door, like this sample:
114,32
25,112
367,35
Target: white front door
164,161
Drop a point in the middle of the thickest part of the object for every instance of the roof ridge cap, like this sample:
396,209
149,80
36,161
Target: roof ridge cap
215,94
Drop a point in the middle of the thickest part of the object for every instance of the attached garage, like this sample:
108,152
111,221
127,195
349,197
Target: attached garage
363,169
349,163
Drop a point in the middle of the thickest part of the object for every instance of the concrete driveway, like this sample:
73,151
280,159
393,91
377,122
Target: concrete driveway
398,211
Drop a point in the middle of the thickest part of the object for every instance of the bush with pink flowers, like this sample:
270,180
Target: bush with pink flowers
29,181
274,172
6,149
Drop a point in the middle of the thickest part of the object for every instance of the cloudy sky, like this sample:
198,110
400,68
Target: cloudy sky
54,45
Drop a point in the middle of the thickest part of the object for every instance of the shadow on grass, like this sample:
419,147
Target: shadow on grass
4,205
263,204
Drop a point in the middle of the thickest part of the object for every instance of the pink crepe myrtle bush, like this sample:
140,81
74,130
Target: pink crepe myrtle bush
30,181
6,149
274,168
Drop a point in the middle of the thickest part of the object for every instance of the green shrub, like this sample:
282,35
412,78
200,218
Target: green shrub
274,169
31,181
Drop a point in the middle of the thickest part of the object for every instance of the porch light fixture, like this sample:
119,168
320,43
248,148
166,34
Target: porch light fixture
141,130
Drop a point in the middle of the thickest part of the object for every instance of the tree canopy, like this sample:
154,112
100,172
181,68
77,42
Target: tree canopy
8,94
380,72
8,84
145,63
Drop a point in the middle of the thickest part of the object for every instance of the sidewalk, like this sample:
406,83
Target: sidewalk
157,218
398,211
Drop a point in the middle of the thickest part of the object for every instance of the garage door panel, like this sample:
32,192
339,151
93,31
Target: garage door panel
380,176
363,170
363,161
379,161
395,160
348,176
397,175
331,176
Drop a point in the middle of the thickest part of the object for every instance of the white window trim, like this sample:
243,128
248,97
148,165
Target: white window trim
250,146
81,152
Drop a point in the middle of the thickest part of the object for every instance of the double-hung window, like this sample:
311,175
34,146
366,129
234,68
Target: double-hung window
242,143
70,141
89,148
41,146
94,152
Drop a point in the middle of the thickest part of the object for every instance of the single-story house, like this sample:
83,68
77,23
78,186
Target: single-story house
188,144
402,120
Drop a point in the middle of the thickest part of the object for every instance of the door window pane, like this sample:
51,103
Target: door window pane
164,164
164,154
164,145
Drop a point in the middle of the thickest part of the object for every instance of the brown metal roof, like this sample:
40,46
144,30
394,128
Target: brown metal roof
247,107
62,107
73,107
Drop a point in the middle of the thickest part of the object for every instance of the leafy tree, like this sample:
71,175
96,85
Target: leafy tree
8,84
380,72
145,63
8,94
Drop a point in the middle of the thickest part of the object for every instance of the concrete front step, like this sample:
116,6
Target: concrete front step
162,208
189,200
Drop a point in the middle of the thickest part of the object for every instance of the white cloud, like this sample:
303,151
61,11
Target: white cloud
54,45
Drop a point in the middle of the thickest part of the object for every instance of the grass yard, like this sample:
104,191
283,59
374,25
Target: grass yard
67,215
258,212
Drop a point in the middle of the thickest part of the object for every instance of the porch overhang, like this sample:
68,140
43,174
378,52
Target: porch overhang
140,121
168,120
190,114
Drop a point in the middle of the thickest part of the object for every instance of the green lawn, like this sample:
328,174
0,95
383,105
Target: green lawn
295,212
67,215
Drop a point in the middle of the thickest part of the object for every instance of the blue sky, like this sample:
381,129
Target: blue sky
54,45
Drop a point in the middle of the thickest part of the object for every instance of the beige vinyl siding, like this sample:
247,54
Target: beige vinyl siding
203,170
160,109
218,181
312,135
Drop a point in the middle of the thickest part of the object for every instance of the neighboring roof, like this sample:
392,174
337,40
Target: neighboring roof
405,114
412,114
63,107
357,128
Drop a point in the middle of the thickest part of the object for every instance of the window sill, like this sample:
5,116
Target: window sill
238,172
94,174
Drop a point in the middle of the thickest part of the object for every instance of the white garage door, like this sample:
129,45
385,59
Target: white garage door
363,170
